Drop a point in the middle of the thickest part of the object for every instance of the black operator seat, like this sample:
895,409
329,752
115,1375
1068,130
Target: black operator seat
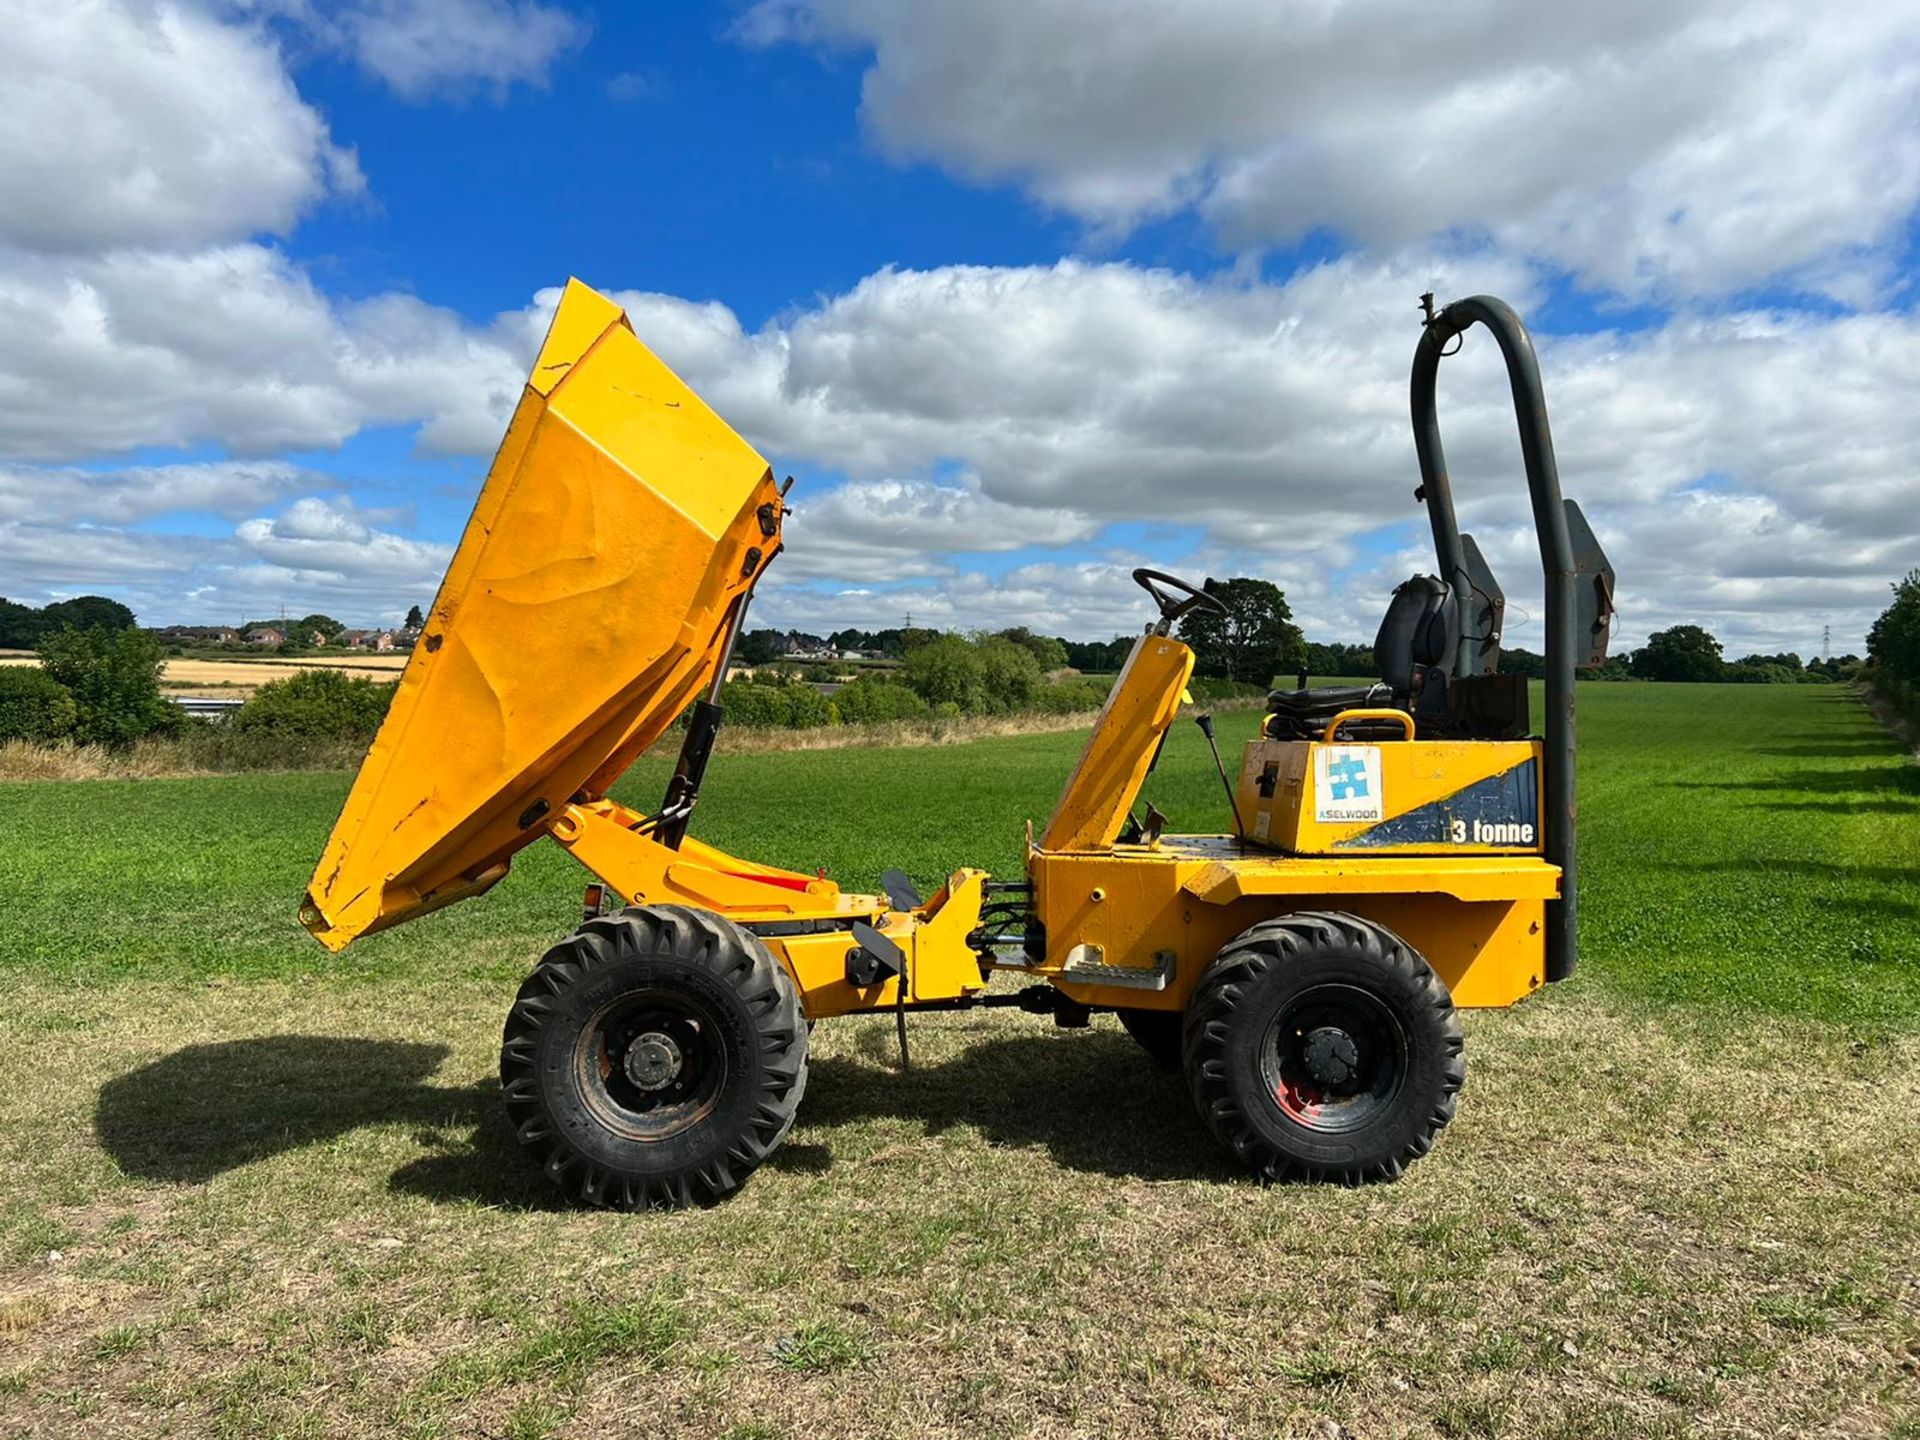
1415,644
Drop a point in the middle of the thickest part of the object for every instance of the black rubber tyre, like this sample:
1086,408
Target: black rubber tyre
1320,1046
1157,1032
654,1058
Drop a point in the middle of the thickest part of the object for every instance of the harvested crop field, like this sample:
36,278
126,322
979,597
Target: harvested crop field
240,677
257,1191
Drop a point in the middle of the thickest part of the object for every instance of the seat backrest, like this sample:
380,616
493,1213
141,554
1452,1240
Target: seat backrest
1421,627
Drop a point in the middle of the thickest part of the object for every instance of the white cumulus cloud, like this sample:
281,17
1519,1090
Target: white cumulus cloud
132,123
1756,468
1647,146
423,49
235,346
230,488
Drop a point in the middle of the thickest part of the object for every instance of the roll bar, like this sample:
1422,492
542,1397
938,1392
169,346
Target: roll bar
1550,523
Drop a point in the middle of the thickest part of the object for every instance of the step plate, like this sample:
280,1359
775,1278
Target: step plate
1085,966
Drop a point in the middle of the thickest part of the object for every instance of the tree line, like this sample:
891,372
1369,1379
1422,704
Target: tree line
98,681
1893,648
1691,653
22,627
1254,641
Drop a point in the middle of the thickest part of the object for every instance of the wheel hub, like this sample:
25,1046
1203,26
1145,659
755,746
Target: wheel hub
1331,1057
652,1061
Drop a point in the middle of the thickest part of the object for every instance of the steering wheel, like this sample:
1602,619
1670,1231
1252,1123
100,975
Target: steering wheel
1175,597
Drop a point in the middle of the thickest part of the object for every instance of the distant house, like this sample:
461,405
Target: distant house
201,634
318,638
796,645
382,640
266,635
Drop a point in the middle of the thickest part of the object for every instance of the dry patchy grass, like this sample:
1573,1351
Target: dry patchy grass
294,1209
204,750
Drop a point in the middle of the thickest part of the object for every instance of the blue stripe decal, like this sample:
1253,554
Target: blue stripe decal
1509,800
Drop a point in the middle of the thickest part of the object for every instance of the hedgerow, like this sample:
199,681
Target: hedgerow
316,704
1893,648
34,705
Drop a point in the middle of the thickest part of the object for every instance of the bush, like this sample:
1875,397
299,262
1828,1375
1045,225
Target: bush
947,670
752,704
34,705
1010,674
807,708
114,679
1071,697
1049,650
791,706
873,700
316,704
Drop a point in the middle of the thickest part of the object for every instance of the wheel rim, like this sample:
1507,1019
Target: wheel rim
1334,1058
651,1064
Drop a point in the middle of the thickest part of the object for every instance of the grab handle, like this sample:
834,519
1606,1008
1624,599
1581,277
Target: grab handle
1333,726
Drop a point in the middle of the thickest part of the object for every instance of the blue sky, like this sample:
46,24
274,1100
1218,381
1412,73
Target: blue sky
659,153
1024,293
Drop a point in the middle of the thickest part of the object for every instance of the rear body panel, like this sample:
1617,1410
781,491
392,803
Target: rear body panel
1170,908
1404,797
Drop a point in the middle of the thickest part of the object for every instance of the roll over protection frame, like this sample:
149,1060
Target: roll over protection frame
1556,560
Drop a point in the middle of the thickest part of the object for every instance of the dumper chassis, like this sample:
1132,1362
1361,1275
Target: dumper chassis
1396,852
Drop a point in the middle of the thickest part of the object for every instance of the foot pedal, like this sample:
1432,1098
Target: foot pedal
1086,965
900,891
873,957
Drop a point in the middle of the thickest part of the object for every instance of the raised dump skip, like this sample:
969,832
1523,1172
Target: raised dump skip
620,524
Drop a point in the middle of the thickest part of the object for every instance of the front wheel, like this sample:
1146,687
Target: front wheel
1320,1046
654,1058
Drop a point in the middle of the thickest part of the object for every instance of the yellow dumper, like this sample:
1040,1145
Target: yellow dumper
1396,851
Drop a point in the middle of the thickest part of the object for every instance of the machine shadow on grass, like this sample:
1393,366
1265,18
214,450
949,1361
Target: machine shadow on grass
1094,1102
207,1109
1814,747
1885,789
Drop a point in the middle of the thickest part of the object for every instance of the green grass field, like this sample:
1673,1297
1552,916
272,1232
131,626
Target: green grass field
256,1190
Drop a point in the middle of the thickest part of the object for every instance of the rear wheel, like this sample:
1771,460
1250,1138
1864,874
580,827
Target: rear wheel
1157,1032
1320,1046
654,1058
